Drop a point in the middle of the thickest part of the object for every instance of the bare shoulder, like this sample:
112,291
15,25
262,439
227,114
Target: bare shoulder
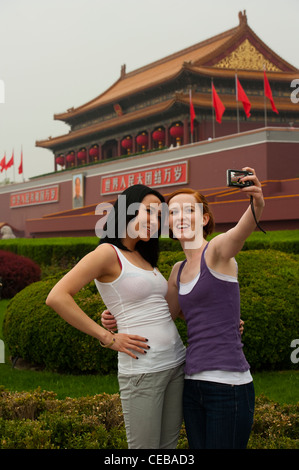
106,257
215,244
174,272
215,256
105,250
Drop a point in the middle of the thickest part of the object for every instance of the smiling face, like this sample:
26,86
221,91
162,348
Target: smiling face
147,222
186,220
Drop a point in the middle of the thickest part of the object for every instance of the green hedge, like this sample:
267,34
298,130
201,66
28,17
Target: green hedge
38,420
47,251
269,307
33,331
269,282
67,251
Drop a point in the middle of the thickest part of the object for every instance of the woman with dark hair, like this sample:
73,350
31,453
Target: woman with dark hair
123,212
150,351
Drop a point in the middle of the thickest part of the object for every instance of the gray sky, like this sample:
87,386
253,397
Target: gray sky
55,54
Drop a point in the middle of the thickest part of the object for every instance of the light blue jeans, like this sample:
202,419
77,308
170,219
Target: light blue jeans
152,408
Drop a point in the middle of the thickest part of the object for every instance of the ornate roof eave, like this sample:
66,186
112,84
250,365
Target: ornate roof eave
241,33
173,73
72,113
201,58
210,71
159,108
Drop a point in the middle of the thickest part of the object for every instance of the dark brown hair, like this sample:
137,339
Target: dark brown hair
149,250
209,228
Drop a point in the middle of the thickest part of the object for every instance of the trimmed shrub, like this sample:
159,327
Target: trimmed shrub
33,331
46,251
97,423
275,426
269,282
66,251
16,273
39,421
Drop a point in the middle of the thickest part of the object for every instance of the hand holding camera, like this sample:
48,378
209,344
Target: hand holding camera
247,181
235,179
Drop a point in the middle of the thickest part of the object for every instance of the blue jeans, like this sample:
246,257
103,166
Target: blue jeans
218,416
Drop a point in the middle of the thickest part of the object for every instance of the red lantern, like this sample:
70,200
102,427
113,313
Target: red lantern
177,131
60,160
127,143
159,135
142,139
94,152
70,158
81,155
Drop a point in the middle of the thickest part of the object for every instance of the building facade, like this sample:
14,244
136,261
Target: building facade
149,108
139,131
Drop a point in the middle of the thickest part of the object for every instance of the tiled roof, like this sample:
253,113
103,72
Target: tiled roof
200,57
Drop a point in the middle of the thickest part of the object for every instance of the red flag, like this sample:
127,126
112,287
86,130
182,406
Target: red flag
21,164
268,92
3,163
241,96
192,113
11,161
218,105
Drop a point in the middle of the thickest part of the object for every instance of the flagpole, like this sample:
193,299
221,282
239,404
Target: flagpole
5,168
190,100
22,166
238,119
265,104
13,166
213,111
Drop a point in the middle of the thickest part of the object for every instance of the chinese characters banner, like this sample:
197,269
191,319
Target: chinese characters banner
166,175
35,196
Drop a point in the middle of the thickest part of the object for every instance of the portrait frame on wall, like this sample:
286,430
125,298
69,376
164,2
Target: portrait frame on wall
78,190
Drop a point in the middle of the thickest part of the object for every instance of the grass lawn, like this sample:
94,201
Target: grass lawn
281,387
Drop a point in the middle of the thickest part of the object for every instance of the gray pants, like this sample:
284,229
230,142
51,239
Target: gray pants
152,408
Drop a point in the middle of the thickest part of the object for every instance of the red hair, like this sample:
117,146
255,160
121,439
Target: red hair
209,228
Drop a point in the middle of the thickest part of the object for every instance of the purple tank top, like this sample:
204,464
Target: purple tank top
212,313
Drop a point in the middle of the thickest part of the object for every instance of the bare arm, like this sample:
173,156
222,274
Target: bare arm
97,264
172,294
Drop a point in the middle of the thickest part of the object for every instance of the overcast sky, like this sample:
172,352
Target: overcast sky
56,54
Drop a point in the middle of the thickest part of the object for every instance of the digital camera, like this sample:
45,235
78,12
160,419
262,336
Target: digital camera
233,178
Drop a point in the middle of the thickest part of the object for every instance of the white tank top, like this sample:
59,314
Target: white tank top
137,301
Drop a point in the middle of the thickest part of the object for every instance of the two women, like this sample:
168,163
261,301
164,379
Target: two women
218,392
